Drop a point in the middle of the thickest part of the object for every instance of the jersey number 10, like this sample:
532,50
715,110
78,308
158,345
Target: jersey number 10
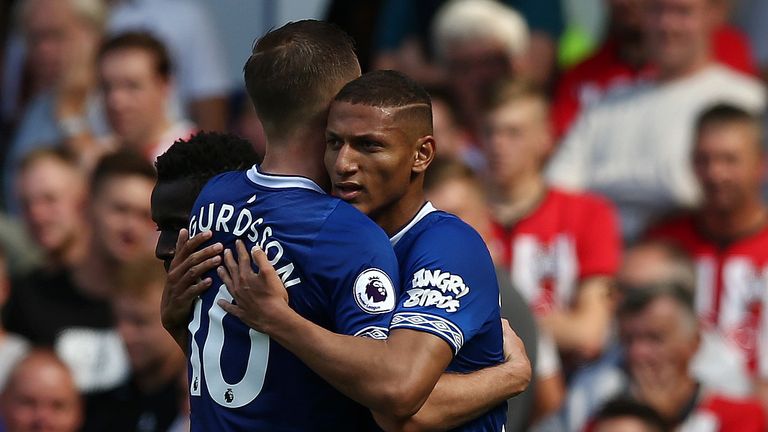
229,395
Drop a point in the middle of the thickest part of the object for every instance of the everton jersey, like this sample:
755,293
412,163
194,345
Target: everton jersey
450,290
341,274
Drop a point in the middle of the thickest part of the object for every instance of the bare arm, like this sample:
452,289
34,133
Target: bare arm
372,372
183,285
583,329
459,398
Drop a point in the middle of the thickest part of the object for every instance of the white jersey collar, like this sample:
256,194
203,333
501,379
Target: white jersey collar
279,181
426,209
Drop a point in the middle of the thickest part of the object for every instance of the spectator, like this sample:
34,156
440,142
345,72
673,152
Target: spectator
728,235
151,399
660,335
716,364
12,347
135,72
402,37
121,191
633,145
622,60
478,43
52,191
187,31
41,396
69,310
561,249
626,415
62,37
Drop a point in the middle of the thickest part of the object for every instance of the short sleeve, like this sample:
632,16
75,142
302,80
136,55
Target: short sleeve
599,241
452,289
354,261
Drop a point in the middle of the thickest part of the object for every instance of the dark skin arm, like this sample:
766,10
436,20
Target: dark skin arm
183,285
459,398
372,372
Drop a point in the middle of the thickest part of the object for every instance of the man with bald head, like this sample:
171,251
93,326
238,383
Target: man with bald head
41,395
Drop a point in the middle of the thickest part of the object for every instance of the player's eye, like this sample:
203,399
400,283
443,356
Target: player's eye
371,145
333,143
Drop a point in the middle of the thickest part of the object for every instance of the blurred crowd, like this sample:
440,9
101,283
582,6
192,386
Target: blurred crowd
610,152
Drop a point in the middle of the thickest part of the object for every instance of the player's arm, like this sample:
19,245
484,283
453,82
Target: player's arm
583,329
184,284
394,375
459,398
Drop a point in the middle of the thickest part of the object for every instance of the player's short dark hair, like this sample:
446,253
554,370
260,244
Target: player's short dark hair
389,89
625,407
143,41
122,163
204,155
294,71
727,114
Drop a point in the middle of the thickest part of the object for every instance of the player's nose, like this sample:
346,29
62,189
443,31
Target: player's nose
346,161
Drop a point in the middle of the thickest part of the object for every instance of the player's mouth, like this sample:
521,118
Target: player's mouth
347,191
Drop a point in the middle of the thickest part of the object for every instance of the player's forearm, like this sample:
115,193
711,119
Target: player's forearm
371,372
180,336
460,398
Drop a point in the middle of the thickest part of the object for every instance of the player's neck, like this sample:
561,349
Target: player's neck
734,224
519,199
396,216
294,156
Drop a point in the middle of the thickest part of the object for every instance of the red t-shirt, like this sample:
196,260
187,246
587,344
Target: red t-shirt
567,238
732,284
605,70
720,414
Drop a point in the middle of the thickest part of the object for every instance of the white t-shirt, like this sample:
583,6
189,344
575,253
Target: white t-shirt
634,145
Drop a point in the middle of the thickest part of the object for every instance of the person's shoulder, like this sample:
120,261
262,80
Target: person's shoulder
442,226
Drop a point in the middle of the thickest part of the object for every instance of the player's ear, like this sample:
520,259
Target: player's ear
424,154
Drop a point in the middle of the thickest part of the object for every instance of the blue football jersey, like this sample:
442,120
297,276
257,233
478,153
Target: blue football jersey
450,290
341,274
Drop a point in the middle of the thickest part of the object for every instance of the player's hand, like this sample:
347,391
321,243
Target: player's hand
515,358
183,284
259,297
